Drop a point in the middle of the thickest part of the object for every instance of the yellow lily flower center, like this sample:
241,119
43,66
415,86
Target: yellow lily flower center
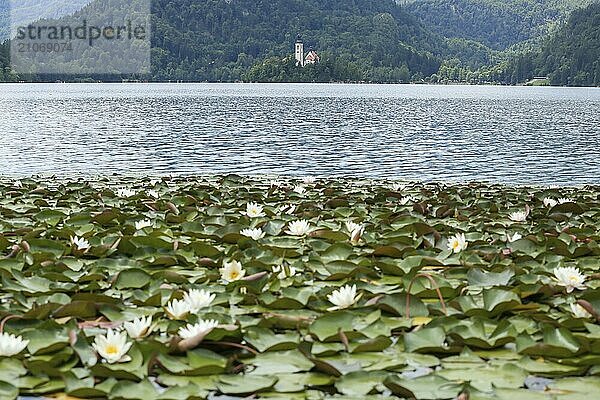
573,279
111,349
234,274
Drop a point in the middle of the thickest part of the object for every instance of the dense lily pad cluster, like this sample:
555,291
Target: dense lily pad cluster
180,288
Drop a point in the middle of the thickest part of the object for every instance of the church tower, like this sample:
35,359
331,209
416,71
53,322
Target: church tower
299,51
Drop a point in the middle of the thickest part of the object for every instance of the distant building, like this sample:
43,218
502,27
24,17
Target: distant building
311,58
299,51
301,60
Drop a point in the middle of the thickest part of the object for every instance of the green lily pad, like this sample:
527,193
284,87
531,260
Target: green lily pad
427,387
240,384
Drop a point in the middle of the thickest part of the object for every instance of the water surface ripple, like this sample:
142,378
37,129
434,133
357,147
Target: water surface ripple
512,135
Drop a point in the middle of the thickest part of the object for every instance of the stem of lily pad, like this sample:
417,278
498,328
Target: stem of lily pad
9,317
15,250
239,346
587,306
344,339
433,284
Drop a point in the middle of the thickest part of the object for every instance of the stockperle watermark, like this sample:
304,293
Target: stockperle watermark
103,37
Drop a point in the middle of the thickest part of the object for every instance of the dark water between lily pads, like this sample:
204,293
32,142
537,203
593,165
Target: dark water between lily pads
519,135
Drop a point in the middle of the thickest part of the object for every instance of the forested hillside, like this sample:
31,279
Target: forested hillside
370,40
221,39
572,56
4,19
495,23
32,10
568,57
5,72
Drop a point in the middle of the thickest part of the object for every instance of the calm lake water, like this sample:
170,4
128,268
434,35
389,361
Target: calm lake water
520,135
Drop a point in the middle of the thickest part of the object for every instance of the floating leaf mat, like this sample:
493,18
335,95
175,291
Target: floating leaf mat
488,322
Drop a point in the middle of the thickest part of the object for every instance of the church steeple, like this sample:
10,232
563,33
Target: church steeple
299,51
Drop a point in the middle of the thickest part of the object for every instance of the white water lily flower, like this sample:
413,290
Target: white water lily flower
287,209
253,233
405,200
113,347
356,234
18,184
352,226
11,345
126,192
298,228
309,180
232,271
549,202
299,189
202,327
518,216
343,297
139,328
570,278
153,193
253,210
564,200
281,272
144,223
457,243
198,299
396,187
579,312
177,309
513,238
80,243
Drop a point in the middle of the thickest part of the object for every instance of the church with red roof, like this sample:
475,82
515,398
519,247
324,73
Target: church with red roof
312,57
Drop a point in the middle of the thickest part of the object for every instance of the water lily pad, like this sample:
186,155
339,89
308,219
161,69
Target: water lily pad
360,383
266,340
240,384
329,325
132,279
8,391
143,390
427,387
477,277
505,317
290,383
425,340
273,362
486,378
557,342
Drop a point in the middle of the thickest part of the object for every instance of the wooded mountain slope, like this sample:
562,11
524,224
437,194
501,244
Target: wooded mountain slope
221,39
572,56
32,10
495,23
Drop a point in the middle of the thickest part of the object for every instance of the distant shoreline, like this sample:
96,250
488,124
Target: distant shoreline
303,83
